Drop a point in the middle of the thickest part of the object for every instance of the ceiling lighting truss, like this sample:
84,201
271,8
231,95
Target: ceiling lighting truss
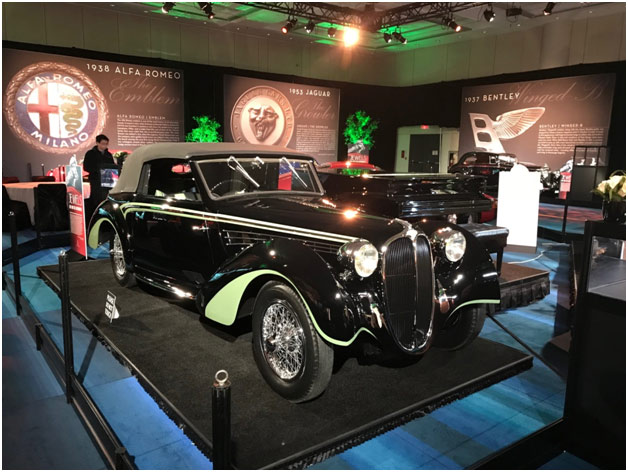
367,19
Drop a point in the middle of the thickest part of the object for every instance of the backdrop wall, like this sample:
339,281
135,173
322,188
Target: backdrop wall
434,104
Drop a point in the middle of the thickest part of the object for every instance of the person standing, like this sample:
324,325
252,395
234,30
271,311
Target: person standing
96,159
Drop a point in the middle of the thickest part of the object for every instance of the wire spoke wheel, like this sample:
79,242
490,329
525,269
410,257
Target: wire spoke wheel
118,257
283,341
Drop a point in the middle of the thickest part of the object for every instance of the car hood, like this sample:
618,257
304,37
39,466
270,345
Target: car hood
318,215
441,185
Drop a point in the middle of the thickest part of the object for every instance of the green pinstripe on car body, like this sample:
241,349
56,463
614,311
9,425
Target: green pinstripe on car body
490,301
223,307
235,220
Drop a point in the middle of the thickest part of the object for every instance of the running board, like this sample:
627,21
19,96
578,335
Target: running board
165,286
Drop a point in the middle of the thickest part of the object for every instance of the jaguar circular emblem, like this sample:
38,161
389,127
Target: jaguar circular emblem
55,107
262,115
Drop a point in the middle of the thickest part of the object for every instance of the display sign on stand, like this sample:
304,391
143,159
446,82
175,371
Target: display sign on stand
76,206
358,152
518,207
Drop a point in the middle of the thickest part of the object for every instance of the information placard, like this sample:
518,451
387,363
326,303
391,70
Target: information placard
300,117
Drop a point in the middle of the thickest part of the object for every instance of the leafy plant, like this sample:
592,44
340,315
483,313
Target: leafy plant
613,189
205,132
360,127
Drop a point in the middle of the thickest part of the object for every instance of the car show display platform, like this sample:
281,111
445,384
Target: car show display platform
174,352
520,285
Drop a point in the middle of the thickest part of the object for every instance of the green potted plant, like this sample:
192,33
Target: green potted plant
358,134
613,193
205,132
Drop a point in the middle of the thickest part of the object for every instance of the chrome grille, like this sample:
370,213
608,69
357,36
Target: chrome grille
408,282
246,238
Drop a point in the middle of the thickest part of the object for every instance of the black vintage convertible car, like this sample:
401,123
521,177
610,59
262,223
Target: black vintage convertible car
246,230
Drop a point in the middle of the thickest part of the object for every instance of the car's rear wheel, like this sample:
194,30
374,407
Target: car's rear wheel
118,263
291,356
462,328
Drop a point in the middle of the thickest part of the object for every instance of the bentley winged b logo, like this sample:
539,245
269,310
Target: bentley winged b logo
488,133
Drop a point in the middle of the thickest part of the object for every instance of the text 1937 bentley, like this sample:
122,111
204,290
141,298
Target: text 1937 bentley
246,230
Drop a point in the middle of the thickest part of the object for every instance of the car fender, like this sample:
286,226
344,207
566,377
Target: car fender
472,280
107,219
329,306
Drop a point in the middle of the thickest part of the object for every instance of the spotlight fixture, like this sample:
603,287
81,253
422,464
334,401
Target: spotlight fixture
351,36
166,7
331,32
207,9
548,8
489,14
285,29
387,37
310,26
451,23
397,35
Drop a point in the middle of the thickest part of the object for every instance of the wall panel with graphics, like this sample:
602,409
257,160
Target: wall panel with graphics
539,121
297,116
54,106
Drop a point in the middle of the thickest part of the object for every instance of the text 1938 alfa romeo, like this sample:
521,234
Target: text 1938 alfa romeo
246,230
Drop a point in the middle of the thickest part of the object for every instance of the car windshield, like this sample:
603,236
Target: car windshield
234,176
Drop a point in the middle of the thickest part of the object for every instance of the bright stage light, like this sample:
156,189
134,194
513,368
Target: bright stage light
351,36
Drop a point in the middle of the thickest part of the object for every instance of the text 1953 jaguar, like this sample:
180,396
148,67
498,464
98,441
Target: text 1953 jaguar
246,230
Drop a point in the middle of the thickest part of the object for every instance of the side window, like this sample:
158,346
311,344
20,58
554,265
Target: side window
169,178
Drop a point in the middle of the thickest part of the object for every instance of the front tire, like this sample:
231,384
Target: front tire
118,263
461,330
291,356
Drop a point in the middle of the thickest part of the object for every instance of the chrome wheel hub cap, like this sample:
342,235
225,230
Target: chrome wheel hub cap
283,341
118,257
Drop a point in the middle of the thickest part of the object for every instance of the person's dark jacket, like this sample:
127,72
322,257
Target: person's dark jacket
95,161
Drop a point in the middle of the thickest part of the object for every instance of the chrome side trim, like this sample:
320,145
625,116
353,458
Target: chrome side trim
165,287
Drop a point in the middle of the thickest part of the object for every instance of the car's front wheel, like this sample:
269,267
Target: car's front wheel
462,328
118,263
291,356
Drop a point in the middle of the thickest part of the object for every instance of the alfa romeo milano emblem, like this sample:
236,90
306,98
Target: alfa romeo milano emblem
54,107
262,115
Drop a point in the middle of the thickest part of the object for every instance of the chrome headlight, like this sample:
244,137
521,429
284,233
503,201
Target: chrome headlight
451,242
455,246
362,255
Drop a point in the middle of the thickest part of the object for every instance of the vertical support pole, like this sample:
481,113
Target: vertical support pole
221,421
68,348
37,216
43,171
15,259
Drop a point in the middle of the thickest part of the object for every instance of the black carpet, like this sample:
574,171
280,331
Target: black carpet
175,354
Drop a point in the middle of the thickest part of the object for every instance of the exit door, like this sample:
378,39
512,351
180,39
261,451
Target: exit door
424,153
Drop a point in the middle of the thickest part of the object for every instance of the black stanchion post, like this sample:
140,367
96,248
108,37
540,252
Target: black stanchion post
221,421
15,259
68,349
